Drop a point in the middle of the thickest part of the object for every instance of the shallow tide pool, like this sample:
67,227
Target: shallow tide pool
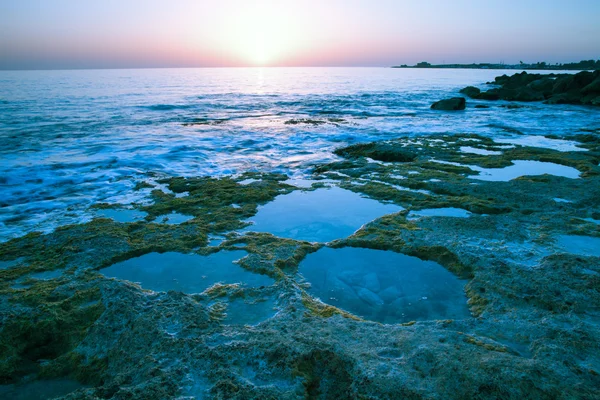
173,218
321,215
440,212
39,390
122,215
581,245
187,273
384,286
523,168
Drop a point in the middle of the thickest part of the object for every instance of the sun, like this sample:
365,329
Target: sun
260,51
263,34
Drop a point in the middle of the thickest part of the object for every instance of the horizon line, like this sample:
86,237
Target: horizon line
395,66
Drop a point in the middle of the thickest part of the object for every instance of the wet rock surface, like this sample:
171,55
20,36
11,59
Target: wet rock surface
531,330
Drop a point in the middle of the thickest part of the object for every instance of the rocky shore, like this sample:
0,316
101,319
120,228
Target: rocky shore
581,88
532,292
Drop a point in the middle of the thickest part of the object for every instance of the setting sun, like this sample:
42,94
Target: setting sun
263,34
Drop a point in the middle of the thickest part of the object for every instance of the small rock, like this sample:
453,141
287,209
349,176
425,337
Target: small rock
453,104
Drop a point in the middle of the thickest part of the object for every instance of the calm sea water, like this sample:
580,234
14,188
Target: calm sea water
69,139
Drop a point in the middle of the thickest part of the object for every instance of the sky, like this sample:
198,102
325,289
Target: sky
41,34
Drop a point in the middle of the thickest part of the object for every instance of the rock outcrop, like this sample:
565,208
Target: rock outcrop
580,88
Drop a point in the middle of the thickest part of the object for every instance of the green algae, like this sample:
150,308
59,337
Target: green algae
99,243
270,255
515,287
376,151
421,152
142,185
211,200
48,321
319,309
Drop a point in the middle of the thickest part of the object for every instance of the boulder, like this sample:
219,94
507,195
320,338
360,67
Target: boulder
507,94
561,84
371,282
453,104
491,94
390,294
471,91
369,297
564,98
579,88
543,86
350,278
592,99
528,94
340,289
582,79
481,106
593,87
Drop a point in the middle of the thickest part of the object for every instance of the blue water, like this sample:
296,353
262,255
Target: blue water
122,215
187,273
384,286
524,168
70,139
321,215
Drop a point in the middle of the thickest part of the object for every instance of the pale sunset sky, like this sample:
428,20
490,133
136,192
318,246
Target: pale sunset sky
38,34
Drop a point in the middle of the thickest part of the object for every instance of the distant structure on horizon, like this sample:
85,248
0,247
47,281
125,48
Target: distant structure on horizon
581,65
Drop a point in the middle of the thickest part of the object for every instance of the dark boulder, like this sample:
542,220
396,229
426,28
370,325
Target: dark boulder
471,91
543,86
561,84
593,87
528,94
491,94
563,98
453,104
481,106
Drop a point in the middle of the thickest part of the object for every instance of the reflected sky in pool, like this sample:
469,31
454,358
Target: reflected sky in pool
321,215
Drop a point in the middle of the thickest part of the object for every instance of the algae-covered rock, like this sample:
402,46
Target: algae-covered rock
376,151
531,331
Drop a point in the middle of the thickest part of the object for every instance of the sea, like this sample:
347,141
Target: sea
72,139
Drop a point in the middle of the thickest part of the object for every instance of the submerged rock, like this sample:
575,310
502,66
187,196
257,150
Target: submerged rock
371,282
390,294
369,297
453,104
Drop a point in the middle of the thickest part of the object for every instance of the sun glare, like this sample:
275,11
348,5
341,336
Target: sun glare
263,35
